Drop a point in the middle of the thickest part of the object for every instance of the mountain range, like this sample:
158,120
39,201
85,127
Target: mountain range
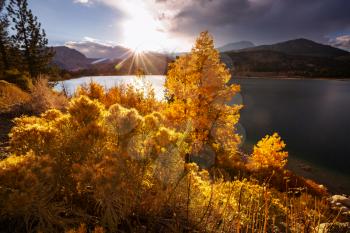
299,57
97,50
236,46
302,47
70,59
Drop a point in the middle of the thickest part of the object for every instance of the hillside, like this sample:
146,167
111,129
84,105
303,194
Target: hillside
150,63
271,63
302,47
70,59
299,57
97,50
236,46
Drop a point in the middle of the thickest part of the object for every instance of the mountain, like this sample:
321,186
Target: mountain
292,58
302,47
70,59
299,57
97,50
267,63
148,62
236,46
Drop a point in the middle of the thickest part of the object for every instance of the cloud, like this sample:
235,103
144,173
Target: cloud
342,42
95,48
82,1
260,21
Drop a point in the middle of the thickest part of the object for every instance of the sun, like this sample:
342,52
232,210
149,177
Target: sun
141,31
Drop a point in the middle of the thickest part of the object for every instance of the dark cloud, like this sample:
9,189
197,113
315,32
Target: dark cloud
261,21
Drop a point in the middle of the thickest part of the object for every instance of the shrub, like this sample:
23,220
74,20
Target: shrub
143,101
93,90
43,97
268,153
89,138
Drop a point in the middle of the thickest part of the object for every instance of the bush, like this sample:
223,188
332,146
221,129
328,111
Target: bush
125,95
79,144
268,153
43,97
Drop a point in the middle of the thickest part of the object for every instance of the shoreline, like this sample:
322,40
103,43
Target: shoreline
277,77
335,182
288,78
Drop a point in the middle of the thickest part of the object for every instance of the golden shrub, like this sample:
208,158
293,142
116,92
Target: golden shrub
144,101
43,97
93,90
27,192
269,153
110,156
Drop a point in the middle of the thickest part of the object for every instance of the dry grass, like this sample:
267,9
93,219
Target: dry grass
44,98
11,96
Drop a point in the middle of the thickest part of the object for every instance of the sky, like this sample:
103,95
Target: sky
172,25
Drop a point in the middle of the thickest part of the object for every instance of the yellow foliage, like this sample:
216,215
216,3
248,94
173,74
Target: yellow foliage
27,192
112,156
125,95
198,90
43,97
268,153
93,90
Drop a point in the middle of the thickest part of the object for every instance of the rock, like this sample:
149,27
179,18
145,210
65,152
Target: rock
343,200
334,227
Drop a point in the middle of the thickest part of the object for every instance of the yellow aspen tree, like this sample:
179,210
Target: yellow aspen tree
198,90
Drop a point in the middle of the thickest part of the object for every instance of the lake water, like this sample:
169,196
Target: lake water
312,117
157,81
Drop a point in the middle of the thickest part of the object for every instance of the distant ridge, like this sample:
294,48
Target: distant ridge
70,59
100,51
299,57
302,47
236,46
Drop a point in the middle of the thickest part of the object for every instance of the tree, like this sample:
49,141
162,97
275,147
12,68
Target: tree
198,89
4,39
29,38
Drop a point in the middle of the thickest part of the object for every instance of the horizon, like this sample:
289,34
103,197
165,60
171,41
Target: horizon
171,26
89,42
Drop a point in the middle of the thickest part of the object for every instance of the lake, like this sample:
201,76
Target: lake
157,81
312,117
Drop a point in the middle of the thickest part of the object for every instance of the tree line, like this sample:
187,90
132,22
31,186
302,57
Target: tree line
24,51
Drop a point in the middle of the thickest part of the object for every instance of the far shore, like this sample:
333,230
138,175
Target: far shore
335,182
288,77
